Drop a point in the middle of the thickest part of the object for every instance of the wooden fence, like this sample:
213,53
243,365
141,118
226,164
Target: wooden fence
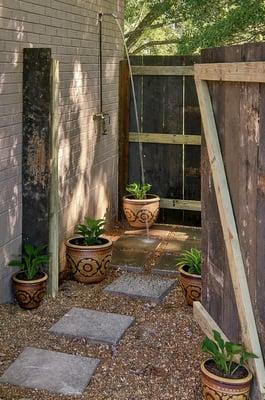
170,133
231,88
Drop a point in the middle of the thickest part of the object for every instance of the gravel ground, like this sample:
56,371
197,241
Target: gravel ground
158,358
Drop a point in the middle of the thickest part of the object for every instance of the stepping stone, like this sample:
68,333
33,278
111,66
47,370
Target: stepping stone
49,370
96,326
136,243
167,265
150,288
129,260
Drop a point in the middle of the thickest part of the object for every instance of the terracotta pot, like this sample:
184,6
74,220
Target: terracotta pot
29,294
141,213
89,264
191,286
218,388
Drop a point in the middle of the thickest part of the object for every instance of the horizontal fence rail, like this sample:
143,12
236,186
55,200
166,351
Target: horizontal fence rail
177,204
163,138
163,70
232,72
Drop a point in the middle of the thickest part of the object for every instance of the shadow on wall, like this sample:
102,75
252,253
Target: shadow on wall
11,139
87,159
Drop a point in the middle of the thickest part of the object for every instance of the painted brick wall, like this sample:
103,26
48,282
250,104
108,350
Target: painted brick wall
87,160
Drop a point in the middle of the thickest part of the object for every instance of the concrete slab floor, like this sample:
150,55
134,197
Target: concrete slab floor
56,372
157,230
166,265
129,260
136,243
95,326
145,287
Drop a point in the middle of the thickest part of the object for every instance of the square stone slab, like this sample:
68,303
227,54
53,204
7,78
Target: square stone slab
129,260
136,243
167,265
96,326
150,288
49,370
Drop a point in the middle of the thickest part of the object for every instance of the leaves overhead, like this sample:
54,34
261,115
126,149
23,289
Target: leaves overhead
187,26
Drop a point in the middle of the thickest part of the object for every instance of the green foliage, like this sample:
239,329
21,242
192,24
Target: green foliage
223,354
187,26
31,261
91,230
138,190
192,259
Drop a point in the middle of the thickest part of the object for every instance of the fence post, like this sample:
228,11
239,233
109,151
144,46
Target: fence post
124,103
53,211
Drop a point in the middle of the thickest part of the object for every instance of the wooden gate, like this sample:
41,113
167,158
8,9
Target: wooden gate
170,128
231,94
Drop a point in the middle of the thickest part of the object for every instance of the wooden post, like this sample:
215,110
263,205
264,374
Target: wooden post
53,212
235,260
124,102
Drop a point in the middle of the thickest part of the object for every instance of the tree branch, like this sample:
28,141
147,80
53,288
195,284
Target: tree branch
154,43
137,32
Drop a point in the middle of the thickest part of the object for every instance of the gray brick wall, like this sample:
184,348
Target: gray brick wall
87,160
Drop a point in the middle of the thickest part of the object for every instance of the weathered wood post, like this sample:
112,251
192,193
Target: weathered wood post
39,155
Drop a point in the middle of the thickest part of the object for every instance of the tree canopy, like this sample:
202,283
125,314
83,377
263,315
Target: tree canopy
187,26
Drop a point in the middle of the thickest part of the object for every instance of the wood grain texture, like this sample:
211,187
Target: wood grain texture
161,138
179,70
54,196
160,101
233,72
176,204
123,131
235,259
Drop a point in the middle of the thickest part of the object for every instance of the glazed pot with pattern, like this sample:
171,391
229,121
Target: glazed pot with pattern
88,264
191,285
141,213
29,293
219,388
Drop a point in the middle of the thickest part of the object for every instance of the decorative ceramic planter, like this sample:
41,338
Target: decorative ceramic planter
191,286
88,264
141,213
218,388
29,294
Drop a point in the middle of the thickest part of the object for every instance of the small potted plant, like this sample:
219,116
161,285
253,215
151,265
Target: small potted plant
189,263
141,209
223,377
88,254
30,282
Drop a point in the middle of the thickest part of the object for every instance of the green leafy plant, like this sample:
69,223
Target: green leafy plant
224,353
91,230
32,259
138,190
192,259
